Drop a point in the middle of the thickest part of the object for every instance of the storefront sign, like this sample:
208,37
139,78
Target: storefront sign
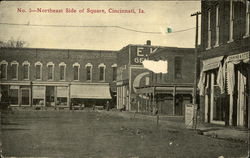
190,115
38,92
238,57
140,53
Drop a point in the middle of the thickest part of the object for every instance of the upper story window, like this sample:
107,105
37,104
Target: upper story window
209,29
178,67
88,71
76,69
38,66
3,72
247,18
217,37
231,21
14,70
62,71
102,68
26,70
114,71
50,66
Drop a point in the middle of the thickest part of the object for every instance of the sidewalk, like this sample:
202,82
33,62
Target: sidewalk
211,130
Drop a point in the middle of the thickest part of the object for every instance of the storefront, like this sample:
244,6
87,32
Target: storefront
90,94
224,86
38,95
167,100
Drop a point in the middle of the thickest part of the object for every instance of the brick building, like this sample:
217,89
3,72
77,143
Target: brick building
225,45
169,92
57,77
130,73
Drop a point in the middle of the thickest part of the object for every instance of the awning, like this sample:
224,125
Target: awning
91,91
38,92
212,63
62,91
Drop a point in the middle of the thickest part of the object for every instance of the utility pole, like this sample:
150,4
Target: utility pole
195,69
195,55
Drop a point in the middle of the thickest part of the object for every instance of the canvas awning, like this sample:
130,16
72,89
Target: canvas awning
91,91
212,63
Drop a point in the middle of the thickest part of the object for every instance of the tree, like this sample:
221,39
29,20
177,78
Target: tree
13,43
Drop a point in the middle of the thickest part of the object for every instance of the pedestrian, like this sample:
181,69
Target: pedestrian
107,105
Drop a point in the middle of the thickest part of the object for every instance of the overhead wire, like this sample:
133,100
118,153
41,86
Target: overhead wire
95,26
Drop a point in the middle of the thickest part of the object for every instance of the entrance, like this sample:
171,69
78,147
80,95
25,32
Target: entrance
50,96
25,96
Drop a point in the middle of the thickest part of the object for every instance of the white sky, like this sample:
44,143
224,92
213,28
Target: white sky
158,16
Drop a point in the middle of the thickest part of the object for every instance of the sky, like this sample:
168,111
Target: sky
157,17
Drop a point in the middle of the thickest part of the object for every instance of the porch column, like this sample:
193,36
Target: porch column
212,98
174,93
206,98
68,100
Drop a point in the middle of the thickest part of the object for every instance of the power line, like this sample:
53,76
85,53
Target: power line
95,26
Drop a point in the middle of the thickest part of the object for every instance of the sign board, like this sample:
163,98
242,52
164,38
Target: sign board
38,92
190,115
140,53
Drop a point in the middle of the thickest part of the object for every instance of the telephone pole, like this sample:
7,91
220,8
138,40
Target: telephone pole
195,55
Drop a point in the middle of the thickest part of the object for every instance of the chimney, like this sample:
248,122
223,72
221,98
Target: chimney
148,42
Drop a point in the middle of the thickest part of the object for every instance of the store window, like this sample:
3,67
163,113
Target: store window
178,67
4,65
62,69
50,66
76,68
102,72
13,93
26,66
14,70
88,71
38,66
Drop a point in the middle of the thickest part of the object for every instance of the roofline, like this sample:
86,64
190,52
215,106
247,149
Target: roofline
29,48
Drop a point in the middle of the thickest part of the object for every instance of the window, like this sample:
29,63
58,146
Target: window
14,70
4,65
102,72
178,67
231,22
88,71
38,66
209,29
114,68
76,68
247,18
50,66
217,26
62,69
26,68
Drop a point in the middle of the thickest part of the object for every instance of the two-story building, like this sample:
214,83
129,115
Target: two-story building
130,73
169,92
57,77
225,46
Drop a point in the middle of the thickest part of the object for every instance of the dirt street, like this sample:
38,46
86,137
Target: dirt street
93,134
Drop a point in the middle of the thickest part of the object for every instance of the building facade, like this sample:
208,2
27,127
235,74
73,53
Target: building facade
57,77
130,73
225,46
168,92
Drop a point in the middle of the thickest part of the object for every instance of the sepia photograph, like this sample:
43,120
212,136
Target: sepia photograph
124,79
